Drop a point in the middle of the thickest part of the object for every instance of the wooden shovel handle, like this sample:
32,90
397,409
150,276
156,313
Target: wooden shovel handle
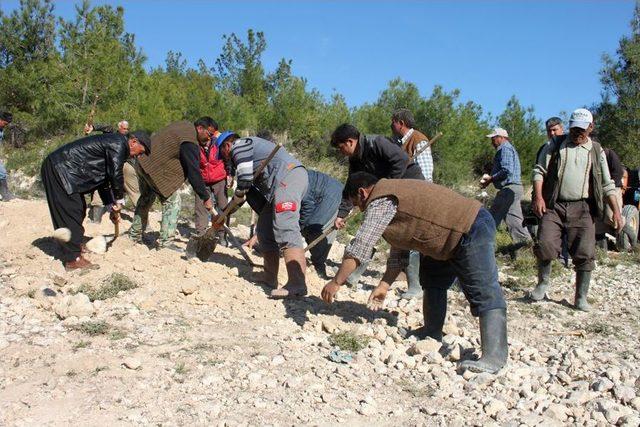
429,144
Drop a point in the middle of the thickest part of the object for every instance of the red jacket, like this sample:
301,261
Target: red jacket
211,168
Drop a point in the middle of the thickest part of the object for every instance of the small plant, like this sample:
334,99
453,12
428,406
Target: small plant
92,328
100,369
600,328
180,368
417,390
117,334
81,344
32,293
71,373
349,341
110,287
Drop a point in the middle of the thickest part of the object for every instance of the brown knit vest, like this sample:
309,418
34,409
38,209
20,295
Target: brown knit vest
416,138
430,219
163,165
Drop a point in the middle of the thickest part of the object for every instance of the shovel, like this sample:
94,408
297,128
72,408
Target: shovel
325,233
429,144
204,245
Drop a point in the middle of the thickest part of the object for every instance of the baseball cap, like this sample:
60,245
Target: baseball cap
498,132
143,138
223,137
580,118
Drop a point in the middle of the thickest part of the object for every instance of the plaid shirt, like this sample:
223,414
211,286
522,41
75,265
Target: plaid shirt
424,159
506,166
378,215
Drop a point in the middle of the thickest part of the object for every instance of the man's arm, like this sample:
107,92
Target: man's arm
117,155
504,158
242,155
190,161
609,190
377,217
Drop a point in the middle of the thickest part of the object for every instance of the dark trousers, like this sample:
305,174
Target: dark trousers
67,210
473,263
219,192
575,219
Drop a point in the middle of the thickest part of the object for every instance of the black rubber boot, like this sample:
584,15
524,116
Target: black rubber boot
544,271
434,311
493,337
4,191
583,279
95,214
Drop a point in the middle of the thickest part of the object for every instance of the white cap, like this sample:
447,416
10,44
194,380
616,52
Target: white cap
580,118
498,132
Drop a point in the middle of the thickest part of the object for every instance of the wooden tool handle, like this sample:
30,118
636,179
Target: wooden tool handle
429,143
325,233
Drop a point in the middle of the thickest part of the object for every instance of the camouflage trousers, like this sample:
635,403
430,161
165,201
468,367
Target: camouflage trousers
170,210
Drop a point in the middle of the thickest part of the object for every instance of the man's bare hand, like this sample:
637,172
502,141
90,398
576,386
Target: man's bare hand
618,221
88,129
377,297
329,291
251,242
539,206
208,204
339,223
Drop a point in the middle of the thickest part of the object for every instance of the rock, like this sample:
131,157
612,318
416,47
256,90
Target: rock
21,285
132,363
188,287
494,406
424,346
98,245
210,380
73,305
277,360
62,234
330,325
556,412
624,394
602,384
632,420
58,280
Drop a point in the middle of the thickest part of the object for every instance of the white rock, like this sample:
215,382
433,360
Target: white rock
556,412
602,384
62,234
188,286
97,245
624,394
277,360
132,363
494,406
74,305
424,346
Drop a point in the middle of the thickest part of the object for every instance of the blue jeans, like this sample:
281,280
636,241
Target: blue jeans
473,263
3,172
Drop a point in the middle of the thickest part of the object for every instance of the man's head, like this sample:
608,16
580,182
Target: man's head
225,141
580,126
123,127
498,137
358,188
5,118
139,143
206,128
266,134
345,139
554,127
401,122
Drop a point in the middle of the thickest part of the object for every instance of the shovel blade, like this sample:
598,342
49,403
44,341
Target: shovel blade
202,247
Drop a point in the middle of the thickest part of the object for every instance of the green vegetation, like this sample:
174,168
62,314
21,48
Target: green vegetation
180,368
92,328
81,344
349,341
110,287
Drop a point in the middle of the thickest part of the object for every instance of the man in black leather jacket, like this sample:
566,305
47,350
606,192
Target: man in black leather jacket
80,167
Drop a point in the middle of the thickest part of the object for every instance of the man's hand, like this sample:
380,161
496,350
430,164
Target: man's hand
485,180
339,223
377,297
114,212
88,129
208,204
539,206
329,291
618,221
229,181
251,242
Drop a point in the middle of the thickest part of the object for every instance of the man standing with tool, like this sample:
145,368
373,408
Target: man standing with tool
5,118
283,183
80,167
175,157
376,155
403,126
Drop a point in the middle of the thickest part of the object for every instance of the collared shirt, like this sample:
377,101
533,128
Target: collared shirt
506,166
424,159
377,217
574,169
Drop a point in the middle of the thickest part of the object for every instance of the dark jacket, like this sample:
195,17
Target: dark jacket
616,169
92,163
383,158
321,202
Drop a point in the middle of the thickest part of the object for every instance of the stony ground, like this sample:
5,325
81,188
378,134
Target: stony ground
201,343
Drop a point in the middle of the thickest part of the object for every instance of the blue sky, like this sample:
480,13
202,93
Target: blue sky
547,53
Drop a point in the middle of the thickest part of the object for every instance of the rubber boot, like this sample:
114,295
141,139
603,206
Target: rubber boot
583,279
269,276
95,214
434,311
296,286
413,277
540,291
4,191
493,338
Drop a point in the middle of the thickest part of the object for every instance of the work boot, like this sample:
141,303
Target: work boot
434,311
269,276
493,338
4,191
80,263
296,286
222,239
413,277
321,271
540,291
95,214
583,279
